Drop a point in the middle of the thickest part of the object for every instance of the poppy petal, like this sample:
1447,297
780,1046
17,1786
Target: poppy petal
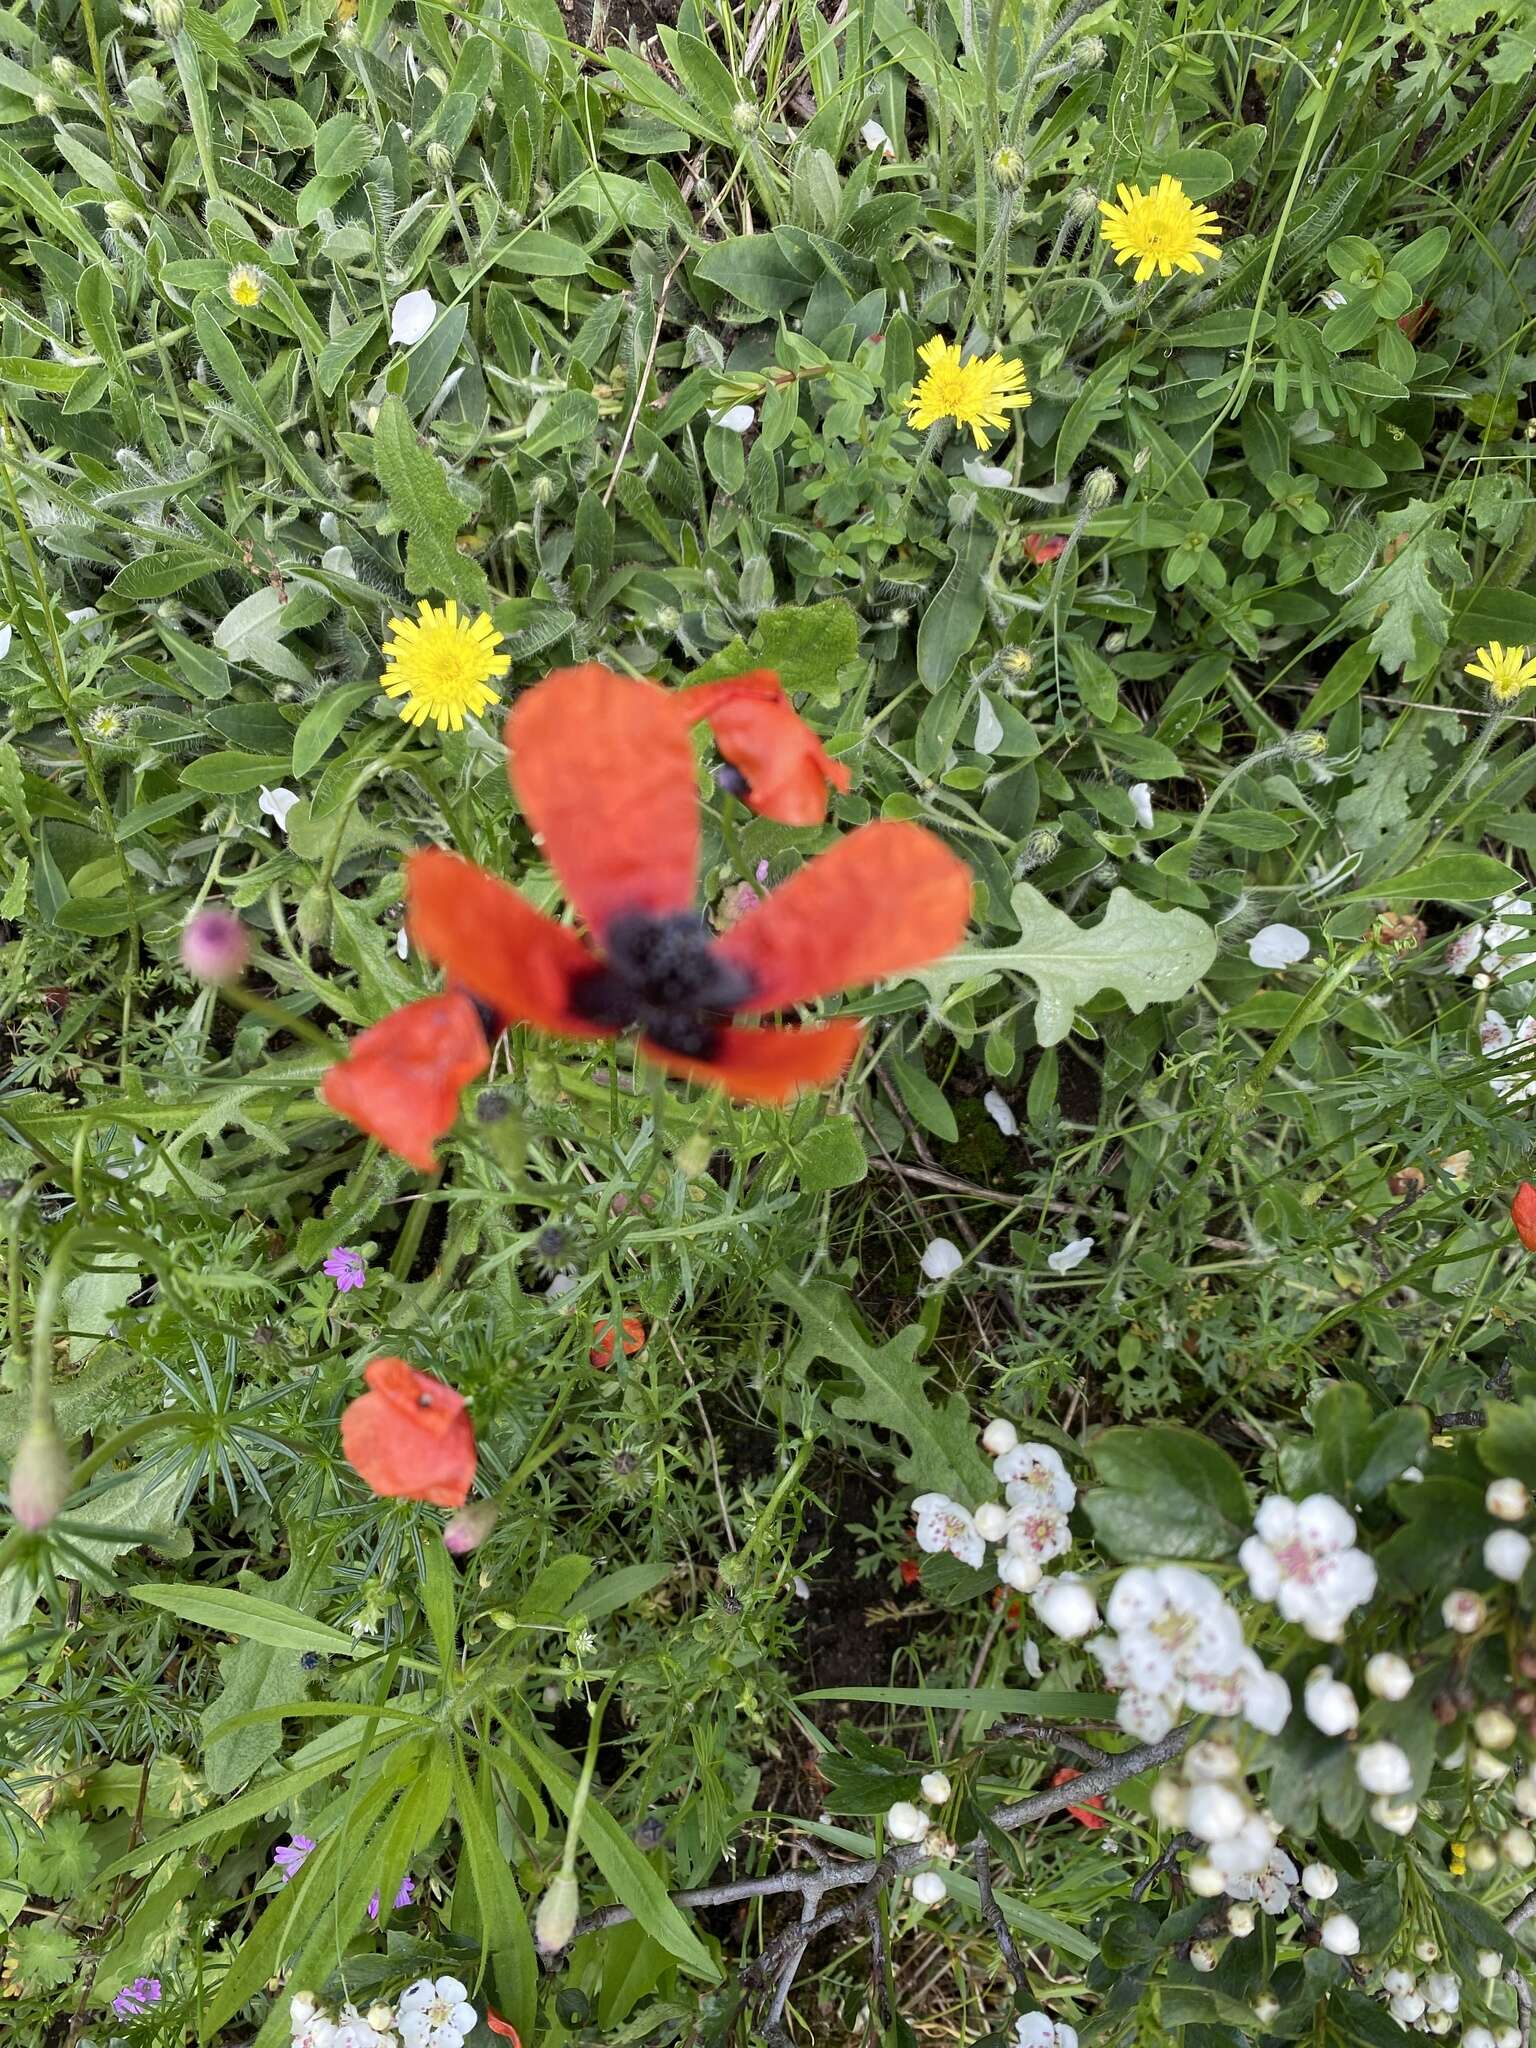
786,768
410,1437
603,768
769,1065
401,1078
492,940
889,896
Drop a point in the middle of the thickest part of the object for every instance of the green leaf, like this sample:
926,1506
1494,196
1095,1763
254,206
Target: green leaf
947,630
254,1675
323,723
1166,1492
942,1450
33,194
1352,1454
831,1155
499,1909
1507,1442
254,632
1146,955
757,270
924,1098
417,488
1445,878
246,1614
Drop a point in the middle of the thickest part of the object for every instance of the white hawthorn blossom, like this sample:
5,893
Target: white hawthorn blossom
1270,1885
1506,1553
1039,2030
1035,1473
1302,1556
1065,1604
435,2014
942,1524
1329,1704
1177,1643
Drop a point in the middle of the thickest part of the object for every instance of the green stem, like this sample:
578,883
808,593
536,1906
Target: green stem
1302,1015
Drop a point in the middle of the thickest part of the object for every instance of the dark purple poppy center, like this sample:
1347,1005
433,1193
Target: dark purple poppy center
663,977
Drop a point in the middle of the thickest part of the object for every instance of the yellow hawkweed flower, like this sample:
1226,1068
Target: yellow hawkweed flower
442,664
972,393
1162,229
246,285
1506,670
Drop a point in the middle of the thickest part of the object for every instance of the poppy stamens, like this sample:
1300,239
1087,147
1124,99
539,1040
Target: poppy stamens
663,975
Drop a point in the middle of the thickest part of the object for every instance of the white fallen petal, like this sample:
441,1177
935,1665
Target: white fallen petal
873,136
1070,1255
412,318
1140,794
1278,945
941,1258
5,641
276,804
989,727
402,944
1001,1113
988,475
735,419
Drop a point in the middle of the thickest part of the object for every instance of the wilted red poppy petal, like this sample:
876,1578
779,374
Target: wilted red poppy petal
401,1079
503,2027
786,768
769,1065
1090,1814
495,942
603,768
410,1437
601,1354
888,896
1522,1212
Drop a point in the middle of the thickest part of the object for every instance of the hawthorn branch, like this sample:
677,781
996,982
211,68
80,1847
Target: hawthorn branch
992,1912
1165,1862
868,1876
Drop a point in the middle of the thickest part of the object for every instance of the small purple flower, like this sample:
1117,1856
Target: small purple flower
761,871
290,1857
403,1897
346,1268
137,1998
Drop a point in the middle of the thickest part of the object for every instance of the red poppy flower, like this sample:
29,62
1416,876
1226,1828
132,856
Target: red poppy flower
401,1078
1523,1214
1044,547
784,770
911,1571
603,767
601,1354
502,2027
410,1437
1091,1813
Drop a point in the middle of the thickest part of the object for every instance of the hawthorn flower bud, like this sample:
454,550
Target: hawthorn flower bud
1240,1919
40,1474
991,1520
1384,1767
1169,1802
1212,1757
1482,1853
1319,1880
1203,1956
1389,1676
1489,1962
928,1888
1508,1500
555,1921
1340,1935
1020,1572
1494,1728
1464,1611
1265,2007
936,1788
1397,1816
1517,1846
1204,1879
1506,1553
905,1822
999,1437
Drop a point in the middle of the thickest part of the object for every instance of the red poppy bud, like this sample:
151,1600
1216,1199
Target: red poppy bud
1044,547
786,770
39,1476
410,1436
1523,1211
601,1354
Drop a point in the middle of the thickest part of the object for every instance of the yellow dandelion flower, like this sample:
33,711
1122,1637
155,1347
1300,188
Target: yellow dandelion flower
1163,230
246,285
1506,670
442,665
973,393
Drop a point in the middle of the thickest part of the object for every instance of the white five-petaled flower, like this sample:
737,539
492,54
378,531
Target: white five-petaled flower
1278,945
411,318
276,804
1071,1254
1034,1472
1461,955
1303,1558
942,1524
1177,1643
1270,1884
1497,1037
435,2014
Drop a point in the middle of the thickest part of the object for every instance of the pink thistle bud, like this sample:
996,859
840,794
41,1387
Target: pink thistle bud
468,1529
39,1476
215,946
